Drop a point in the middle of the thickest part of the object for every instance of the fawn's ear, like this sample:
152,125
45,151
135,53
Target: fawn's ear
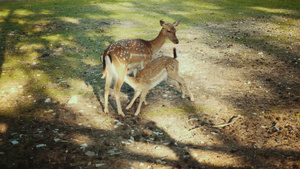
162,23
176,23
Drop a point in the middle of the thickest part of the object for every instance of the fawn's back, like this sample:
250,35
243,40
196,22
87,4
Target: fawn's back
157,70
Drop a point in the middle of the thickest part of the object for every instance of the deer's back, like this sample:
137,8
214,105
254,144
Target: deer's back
130,50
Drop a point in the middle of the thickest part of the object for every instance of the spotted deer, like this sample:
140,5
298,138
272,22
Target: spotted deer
154,73
130,54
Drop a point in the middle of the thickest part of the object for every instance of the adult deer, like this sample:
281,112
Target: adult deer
132,53
154,73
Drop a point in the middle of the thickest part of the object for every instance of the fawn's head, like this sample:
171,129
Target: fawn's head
170,31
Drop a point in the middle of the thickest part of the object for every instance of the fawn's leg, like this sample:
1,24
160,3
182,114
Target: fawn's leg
181,82
142,99
136,94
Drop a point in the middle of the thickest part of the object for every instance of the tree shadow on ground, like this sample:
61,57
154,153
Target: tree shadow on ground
62,146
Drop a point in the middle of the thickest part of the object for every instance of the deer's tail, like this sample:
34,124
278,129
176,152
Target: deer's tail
106,61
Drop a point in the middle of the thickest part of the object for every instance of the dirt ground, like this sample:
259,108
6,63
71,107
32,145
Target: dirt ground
250,85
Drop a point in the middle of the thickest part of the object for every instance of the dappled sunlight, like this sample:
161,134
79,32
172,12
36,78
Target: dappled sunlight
4,13
3,129
46,12
23,13
274,10
18,21
81,139
161,151
217,158
57,39
70,20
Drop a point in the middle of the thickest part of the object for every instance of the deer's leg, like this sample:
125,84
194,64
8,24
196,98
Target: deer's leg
142,99
107,88
119,82
181,82
117,89
136,94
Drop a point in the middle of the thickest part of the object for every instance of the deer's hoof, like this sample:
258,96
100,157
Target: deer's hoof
122,114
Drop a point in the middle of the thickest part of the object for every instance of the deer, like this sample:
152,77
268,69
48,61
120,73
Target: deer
130,54
155,72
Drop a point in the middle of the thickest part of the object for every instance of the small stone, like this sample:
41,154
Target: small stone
73,100
14,142
56,139
214,133
99,164
125,143
83,146
158,133
90,153
48,100
118,124
277,140
40,145
49,111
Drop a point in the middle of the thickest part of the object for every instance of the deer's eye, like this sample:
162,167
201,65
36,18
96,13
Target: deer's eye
168,31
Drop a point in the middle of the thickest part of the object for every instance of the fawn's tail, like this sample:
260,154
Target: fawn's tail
175,53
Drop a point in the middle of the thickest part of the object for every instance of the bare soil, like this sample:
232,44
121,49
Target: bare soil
238,78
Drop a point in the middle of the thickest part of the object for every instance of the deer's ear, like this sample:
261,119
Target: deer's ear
162,23
176,23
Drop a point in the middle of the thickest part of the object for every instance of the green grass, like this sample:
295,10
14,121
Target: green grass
73,34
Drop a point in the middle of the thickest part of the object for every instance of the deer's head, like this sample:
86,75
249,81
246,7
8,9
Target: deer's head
170,31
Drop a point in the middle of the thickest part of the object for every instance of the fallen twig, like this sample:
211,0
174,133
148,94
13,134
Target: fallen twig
231,121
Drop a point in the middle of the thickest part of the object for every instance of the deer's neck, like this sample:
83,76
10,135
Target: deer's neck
158,42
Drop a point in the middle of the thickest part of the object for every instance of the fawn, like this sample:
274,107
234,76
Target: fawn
155,72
